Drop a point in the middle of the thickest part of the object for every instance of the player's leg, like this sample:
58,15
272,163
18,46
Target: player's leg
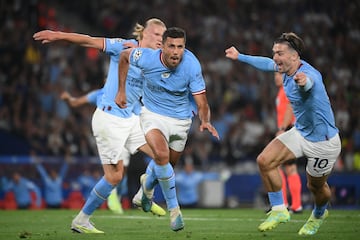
152,179
268,161
162,168
114,200
322,194
137,142
165,176
110,136
162,134
99,194
322,157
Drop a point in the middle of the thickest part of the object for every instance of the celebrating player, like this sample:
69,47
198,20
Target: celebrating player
314,135
114,128
170,74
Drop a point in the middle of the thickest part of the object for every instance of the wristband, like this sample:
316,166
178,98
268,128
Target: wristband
308,84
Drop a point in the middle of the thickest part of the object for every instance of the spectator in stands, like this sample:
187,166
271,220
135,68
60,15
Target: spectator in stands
53,183
188,181
22,188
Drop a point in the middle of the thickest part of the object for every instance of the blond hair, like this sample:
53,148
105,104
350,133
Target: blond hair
139,29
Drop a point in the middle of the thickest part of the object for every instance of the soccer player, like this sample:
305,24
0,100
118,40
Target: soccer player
285,121
170,74
114,128
94,98
314,134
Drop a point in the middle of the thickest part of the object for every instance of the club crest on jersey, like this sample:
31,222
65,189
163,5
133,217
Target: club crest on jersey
165,75
137,54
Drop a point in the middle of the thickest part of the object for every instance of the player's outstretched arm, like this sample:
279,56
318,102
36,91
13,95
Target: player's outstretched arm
74,101
48,36
259,62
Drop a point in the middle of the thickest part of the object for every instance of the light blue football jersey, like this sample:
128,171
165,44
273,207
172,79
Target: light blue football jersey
114,47
94,97
312,109
166,91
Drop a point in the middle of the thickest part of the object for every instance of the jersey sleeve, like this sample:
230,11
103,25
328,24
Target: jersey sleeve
114,46
259,62
137,57
93,96
197,83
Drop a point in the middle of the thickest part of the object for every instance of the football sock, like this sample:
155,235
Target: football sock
319,210
122,188
283,187
98,195
294,183
151,179
166,178
82,217
276,200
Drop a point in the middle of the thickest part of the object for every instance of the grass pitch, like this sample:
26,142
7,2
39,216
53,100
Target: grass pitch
200,224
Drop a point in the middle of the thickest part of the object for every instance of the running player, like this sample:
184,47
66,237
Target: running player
114,128
314,134
170,74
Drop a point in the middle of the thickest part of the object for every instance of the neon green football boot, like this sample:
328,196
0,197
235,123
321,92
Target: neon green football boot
84,228
313,224
274,218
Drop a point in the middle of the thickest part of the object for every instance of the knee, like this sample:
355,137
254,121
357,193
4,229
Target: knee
161,157
114,178
262,162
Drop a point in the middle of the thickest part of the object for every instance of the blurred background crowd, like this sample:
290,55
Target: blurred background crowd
35,121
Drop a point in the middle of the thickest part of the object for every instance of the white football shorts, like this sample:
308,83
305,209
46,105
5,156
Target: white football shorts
116,137
321,156
175,130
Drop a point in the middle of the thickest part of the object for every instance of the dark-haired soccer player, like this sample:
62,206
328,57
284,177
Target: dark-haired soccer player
170,75
314,135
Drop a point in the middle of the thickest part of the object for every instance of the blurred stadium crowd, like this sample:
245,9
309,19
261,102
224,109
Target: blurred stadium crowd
34,120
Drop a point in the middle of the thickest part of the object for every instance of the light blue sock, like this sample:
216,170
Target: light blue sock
122,188
276,198
319,210
151,179
166,177
98,195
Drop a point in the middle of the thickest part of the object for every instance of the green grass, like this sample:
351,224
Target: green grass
200,224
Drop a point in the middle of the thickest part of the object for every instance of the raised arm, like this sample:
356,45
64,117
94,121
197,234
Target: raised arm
48,36
259,62
124,62
33,187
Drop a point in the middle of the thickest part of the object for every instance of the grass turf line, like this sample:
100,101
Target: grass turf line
205,224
